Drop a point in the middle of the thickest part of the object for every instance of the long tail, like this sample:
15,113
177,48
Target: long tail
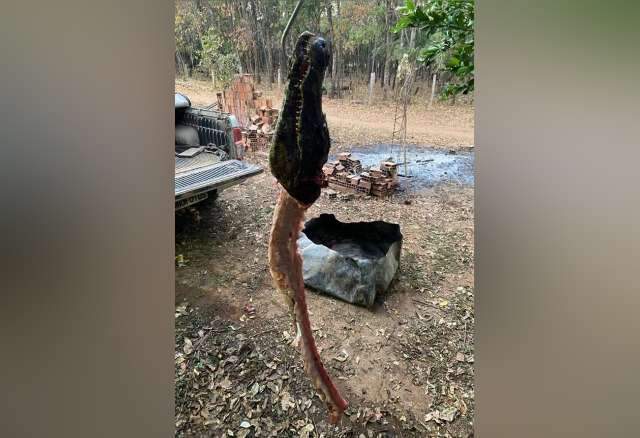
285,264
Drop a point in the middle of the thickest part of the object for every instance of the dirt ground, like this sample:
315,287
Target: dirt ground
405,366
352,122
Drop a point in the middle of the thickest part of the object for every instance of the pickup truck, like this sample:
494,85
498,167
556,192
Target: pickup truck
208,153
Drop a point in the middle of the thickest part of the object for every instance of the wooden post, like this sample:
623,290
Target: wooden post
433,89
372,80
279,79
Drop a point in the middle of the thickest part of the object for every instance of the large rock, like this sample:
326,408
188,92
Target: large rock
351,261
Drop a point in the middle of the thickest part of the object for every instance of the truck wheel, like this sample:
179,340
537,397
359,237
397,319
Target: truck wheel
213,195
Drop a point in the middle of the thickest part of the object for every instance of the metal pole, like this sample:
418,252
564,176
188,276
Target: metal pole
288,28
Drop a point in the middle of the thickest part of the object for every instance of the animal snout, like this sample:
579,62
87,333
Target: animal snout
321,48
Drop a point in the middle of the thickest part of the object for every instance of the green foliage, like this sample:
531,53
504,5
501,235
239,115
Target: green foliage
448,27
218,57
189,25
222,37
359,25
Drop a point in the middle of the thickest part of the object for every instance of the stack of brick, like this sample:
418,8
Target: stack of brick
350,164
384,179
259,133
256,115
346,173
267,116
241,98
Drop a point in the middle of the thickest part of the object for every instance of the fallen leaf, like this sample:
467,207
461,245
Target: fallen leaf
273,387
226,383
181,310
250,310
343,356
306,430
448,414
188,346
181,261
285,401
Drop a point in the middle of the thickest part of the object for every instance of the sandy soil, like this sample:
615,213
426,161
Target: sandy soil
406,366
352,122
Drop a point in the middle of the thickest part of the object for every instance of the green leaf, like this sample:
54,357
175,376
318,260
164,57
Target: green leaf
453,62
402,23
447,27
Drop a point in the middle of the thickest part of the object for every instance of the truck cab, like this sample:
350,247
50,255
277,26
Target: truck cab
208,153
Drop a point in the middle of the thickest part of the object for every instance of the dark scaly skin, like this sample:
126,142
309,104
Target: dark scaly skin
301,143
299,150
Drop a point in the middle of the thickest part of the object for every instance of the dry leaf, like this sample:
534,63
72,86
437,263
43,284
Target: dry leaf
433,415
343,356
226,383
188,346
448,414
306,430
285,401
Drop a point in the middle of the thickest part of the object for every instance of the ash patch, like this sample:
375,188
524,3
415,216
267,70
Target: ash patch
426,167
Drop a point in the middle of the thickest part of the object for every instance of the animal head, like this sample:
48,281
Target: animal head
301,142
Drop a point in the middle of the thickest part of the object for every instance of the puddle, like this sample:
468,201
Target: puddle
426,166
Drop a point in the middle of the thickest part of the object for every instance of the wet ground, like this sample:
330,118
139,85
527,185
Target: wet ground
426,166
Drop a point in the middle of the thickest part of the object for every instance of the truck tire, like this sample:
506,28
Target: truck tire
213,195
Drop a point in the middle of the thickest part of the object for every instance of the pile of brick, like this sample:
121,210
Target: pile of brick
256,115
258,135
241,99
346,173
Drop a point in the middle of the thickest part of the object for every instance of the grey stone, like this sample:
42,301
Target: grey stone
351,261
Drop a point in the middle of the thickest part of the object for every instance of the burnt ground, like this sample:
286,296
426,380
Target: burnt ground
405,366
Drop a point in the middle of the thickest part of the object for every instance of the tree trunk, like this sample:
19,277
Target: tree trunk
269,62
256,71
336,67
332,34
254,19
386,74
433,90
182,65
393,82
